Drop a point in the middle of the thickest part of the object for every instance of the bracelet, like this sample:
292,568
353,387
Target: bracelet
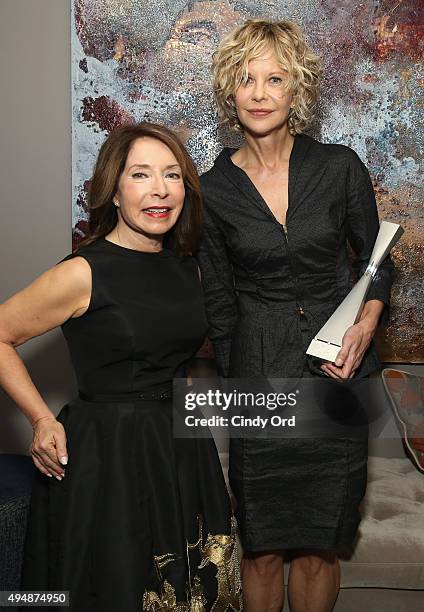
41,418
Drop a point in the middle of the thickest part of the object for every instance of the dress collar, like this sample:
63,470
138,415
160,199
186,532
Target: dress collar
301,144
299,155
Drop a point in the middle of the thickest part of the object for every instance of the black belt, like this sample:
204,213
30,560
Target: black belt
161,395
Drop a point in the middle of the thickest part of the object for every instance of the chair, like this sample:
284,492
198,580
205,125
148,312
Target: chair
406,394
16,476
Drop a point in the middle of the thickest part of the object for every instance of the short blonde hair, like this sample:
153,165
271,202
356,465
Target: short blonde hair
248,42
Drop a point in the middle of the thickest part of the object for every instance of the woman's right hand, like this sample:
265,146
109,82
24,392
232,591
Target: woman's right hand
48,447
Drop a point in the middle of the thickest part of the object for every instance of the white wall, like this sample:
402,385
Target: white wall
35,180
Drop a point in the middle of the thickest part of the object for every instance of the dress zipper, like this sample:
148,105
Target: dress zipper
298,304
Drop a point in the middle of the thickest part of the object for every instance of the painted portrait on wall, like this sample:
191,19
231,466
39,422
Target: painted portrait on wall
134,60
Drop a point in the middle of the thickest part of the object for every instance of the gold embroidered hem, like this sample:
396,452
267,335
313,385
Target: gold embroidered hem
218,551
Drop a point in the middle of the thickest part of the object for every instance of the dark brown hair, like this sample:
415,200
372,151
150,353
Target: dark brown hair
184,237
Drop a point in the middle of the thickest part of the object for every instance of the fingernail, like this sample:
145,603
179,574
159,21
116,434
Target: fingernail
49,475
338,362
64,460
58,477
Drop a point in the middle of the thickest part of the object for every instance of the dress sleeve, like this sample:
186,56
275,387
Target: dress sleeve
362,227
218,287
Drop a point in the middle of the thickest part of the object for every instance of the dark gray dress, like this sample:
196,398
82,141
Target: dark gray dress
267,294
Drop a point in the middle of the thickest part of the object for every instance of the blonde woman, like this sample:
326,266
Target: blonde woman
280,212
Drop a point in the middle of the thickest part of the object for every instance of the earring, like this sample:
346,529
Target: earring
116,203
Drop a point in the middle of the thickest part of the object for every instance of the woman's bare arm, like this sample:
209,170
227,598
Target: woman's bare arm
60,293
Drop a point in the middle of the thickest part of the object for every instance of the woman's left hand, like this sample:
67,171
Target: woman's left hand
355,342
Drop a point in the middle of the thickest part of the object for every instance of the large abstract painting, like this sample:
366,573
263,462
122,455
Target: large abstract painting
136,60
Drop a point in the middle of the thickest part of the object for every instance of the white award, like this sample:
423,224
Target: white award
328,341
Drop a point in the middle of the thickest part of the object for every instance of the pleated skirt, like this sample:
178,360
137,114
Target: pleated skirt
140,522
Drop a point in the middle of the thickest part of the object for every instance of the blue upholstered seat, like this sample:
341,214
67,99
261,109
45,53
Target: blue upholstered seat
16,475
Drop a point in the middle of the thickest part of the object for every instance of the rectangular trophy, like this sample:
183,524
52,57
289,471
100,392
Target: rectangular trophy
328,341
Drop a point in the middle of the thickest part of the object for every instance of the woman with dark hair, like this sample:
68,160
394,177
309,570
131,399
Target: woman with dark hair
137,520
280,214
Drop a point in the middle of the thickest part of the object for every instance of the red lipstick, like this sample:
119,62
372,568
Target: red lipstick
157,212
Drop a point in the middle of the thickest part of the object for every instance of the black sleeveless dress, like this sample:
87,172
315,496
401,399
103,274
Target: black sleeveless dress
142,520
